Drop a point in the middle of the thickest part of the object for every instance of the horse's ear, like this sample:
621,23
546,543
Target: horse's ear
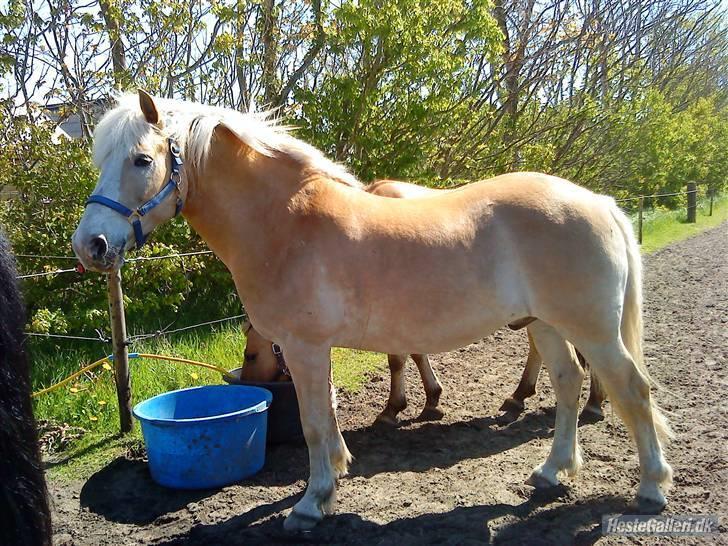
149,109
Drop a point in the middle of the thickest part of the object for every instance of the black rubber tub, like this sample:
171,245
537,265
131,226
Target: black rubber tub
284,420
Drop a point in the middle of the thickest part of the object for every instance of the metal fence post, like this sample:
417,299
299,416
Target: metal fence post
121,352
692,202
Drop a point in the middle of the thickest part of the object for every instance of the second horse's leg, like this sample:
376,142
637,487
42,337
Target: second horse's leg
433,389
527,385
397,397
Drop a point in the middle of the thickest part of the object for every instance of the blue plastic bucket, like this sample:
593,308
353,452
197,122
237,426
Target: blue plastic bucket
205,437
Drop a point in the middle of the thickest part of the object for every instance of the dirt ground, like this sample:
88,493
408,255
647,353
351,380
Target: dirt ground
460,480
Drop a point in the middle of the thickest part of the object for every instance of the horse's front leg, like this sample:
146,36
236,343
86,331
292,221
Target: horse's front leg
327,452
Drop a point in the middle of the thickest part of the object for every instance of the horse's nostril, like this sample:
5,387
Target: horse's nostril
98,247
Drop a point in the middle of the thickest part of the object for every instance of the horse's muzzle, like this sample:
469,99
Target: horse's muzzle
97,253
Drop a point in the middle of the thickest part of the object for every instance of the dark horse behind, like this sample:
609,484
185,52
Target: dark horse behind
24,512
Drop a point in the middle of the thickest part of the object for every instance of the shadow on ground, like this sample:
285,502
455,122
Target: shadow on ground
523,524
124,492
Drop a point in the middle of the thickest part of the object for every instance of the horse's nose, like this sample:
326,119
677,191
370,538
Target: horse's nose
98,247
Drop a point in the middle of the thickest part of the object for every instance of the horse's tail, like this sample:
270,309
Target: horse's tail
24,512
631,328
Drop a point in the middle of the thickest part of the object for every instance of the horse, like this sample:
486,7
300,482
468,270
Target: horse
264,362
320,263
24,511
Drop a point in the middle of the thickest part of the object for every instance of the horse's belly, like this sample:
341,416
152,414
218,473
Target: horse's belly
425,325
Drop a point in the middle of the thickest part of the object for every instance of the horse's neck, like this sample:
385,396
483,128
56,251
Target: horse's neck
237,204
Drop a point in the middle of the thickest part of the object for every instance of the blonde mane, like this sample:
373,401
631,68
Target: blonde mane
192,126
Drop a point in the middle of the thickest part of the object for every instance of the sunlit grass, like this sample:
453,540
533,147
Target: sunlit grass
661,228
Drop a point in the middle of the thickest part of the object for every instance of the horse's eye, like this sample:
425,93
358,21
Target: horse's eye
250,357
142,161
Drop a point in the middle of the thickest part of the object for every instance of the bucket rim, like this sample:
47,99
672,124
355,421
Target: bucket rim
263,405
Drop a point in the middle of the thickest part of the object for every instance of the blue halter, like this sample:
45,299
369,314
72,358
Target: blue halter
134,216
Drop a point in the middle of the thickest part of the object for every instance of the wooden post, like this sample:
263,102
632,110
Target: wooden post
711,193
121,352
639,219
692,202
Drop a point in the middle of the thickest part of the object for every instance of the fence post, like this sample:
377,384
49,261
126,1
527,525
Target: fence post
639,219
711,193
121,352
692,202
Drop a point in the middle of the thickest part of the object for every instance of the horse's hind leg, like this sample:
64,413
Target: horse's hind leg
629,391
566,376
527,386
397,396
433,389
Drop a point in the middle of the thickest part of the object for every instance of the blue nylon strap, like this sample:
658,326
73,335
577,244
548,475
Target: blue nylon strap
155,201
134,216
115,205
139,232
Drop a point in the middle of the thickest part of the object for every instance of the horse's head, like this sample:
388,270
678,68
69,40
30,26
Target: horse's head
261,363
139,185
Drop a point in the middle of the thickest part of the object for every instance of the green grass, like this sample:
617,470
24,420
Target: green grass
90,402
661,228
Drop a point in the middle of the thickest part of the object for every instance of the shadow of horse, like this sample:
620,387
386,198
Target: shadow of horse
490,524
430,445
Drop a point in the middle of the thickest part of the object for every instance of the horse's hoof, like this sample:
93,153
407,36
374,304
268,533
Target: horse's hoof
387,419
511,405
505,419
591,414
539,481
296,523
643,505
431,414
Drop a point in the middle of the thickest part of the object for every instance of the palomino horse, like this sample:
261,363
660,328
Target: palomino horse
265,362
25,518
320,263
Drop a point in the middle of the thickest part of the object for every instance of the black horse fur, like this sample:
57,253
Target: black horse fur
24,511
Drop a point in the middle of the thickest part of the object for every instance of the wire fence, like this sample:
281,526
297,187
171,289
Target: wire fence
100,337
654,196
131,340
